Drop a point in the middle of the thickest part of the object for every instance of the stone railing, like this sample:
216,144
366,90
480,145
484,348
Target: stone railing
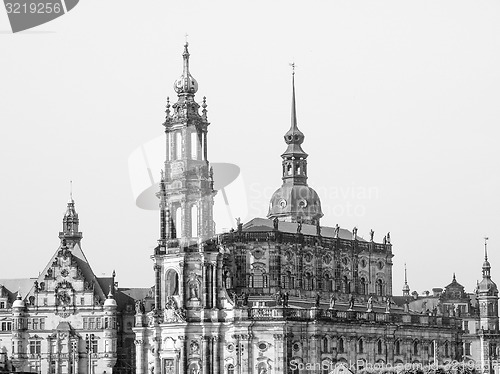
295,238
267,313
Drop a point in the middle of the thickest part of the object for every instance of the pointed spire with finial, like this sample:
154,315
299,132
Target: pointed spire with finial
406,288
486,263
294,137
186,85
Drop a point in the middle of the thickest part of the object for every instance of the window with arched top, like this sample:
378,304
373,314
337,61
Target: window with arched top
415,348
178,221
446,349
397,347
380,348
345,285
230,369
362,286
194,221
178,145
360,346
380,287
172,283
340,345
327,283
308,281
287,280
325,345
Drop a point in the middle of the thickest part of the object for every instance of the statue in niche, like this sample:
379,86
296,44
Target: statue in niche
278,298
317,300
244,296
369,304
333,299
388,305
139,307
193,290
351,302
285,299
227,279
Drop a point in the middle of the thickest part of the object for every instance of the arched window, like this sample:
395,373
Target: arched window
431,346
345,285
230,369
178,221
340,347
172,283
325,345
379,347
288,281
178,145
194,145
360,346
397,347
327,283
446,349
258,278
380,287
308,284
415,347
362,286
194,221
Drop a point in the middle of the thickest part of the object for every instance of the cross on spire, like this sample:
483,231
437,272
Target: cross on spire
486,247
186,38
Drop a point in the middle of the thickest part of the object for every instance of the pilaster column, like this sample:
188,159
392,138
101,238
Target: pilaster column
182,355
205,354
204,277
279,354
214,285
157,341
182,299
246,362
313,352
216,354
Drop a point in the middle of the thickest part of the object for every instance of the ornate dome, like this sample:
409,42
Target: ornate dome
186,84
19,303
296,202
487,286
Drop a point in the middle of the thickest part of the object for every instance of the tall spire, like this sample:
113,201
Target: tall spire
186,85
295,201
406,288
486,263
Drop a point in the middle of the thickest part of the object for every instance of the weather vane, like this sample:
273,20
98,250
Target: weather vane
292,64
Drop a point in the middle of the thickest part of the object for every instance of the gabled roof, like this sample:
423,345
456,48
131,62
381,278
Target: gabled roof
263,224
13,286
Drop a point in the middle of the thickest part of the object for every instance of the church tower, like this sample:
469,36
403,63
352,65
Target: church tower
187,262
186,187
70,224
295,201
487,297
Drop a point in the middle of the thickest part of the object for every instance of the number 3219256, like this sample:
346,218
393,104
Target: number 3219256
41,7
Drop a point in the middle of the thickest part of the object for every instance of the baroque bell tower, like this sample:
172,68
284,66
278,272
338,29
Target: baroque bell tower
186,187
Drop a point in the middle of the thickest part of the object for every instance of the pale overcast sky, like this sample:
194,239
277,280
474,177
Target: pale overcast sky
398,100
